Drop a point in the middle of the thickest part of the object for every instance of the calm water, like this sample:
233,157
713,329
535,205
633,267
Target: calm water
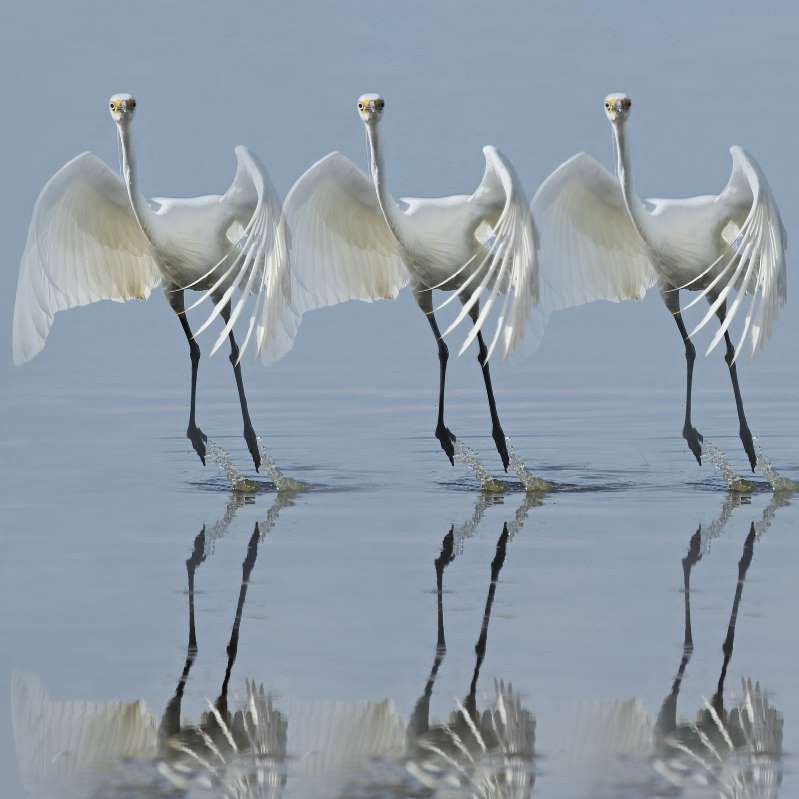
555,661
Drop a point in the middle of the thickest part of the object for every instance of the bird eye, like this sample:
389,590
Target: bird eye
607,105
113,107
131,104
360,105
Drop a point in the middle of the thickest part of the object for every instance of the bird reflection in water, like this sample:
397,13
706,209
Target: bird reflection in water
234,751
82,748
488,753
367,749
732,751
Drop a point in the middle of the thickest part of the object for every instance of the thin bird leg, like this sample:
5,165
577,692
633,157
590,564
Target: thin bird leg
249,431
729,640
482,357
170,720
419,722
193,433
667,717
444,435
470,703
221,703
694,438
729,355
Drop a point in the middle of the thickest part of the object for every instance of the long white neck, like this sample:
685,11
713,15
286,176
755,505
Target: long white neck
635,208
395,219
141,210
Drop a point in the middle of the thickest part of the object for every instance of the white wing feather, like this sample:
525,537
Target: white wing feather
508,261
754,262
84,245
589,247
256,265
342,248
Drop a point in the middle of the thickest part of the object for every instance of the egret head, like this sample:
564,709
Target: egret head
122,107
370,107
617,107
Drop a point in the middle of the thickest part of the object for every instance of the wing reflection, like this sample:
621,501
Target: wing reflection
68,748
734,750
486,753
365,748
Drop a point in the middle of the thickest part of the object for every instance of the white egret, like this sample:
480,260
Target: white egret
94,236
350,239
600,241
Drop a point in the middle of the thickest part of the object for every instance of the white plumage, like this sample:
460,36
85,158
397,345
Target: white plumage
350,239
601,241
84,245
94,236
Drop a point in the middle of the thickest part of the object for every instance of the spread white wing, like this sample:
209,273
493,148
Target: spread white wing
507,259
342,248
84,244
256,265
754,259
589,247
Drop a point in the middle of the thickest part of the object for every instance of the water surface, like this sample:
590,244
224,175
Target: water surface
139,594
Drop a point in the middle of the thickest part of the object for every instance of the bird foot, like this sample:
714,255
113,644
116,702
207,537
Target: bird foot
749,446
252,446
694,439
198,439
502,446
447,440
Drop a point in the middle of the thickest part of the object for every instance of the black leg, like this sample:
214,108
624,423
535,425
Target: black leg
444,435
193,433
170,720
419,722
482,357
249,432
667,717
672,299
744,432
221,703
729,640
480,646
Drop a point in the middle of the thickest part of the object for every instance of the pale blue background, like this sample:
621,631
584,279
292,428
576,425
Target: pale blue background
102,495
282,78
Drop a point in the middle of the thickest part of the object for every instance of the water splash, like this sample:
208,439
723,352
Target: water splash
777,482
531,500
238,482
779,499
469,527
531,483
735,483
218,529
713,530
284,499
468,456
282,483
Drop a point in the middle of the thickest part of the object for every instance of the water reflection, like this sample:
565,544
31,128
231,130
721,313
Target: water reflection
730,751
485,745
487,753
366,749
256,730
85,748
